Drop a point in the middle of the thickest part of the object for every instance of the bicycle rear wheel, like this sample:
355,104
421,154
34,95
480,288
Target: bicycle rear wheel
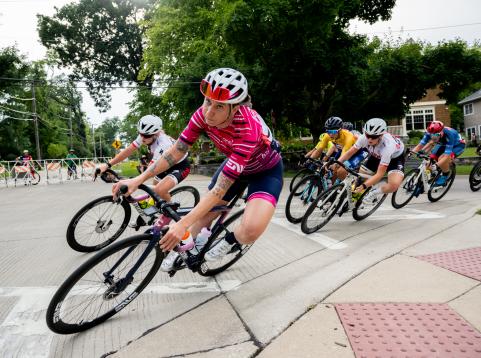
403,195
475,177
364,208
92,294
214,267
435,192
321,210
301,196
187,196
301,174
98,224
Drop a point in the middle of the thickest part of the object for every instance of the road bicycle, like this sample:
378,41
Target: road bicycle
339,199
309,167
306,191
103,220
475,174
112,278
420,179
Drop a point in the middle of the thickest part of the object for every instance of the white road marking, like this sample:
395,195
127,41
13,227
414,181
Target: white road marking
321,239
24,333
390,213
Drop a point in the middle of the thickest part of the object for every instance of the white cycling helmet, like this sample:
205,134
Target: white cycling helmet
149,124
224,85
375,126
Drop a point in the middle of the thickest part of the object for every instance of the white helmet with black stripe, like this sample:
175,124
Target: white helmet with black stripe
375,126
149,124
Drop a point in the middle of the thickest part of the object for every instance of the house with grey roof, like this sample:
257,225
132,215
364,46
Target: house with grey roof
472,114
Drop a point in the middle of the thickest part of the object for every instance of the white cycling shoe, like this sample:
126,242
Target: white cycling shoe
218,251
168,261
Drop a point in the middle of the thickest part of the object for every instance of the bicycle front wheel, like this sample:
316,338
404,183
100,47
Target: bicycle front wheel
100,287
35,178
366,205
475,177
301,174
403,195
301,196
321,211
436,192
187,196
215,267
98,224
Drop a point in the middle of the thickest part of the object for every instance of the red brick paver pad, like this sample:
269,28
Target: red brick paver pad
411,330
466,262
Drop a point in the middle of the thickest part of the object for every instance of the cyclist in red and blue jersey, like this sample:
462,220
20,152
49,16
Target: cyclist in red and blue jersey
448,144
240,133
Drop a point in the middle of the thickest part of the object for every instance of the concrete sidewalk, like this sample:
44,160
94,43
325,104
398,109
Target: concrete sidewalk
424,301
405,280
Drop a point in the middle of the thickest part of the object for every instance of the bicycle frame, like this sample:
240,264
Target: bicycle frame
157,231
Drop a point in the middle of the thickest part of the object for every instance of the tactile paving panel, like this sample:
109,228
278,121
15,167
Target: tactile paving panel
466,262
410,330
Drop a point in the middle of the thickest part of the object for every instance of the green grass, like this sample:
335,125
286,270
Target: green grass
463,169
478,212
469,152
127,169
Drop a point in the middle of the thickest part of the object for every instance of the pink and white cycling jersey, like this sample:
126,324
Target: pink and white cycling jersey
245,141
389,147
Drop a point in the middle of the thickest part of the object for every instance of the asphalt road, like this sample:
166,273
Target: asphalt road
283,274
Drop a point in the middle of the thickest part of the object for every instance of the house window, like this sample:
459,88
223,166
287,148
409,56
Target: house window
419,118
469,132
468,109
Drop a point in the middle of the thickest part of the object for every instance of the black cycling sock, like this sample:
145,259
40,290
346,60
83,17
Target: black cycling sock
230,238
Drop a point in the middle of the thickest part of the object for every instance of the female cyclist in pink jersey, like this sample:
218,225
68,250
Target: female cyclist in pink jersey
241,134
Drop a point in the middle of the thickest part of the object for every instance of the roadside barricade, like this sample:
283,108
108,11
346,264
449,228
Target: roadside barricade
54,172
88,170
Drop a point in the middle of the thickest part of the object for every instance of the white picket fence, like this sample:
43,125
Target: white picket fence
51,171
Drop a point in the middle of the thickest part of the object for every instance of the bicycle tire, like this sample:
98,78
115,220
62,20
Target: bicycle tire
56,316
76,243
475,184
331,195
298,177
184,203
206,268
303,197
408,177
35,178
448,185
355,211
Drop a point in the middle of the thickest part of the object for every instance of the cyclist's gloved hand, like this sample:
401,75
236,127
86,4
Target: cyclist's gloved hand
331,160
131,183
422,152
103,167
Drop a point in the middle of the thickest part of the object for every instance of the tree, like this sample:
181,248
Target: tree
100,41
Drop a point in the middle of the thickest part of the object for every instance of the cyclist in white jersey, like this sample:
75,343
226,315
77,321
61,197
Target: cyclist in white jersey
150,132
386,154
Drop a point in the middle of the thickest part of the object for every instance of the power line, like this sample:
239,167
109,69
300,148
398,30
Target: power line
13,110
424,29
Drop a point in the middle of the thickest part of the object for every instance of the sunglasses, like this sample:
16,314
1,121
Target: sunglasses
370,136
219,94
332,131
146,136
435,134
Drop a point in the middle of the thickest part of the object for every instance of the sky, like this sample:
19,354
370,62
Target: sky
427,20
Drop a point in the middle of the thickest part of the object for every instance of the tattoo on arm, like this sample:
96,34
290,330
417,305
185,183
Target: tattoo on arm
169,159
181,146
221,186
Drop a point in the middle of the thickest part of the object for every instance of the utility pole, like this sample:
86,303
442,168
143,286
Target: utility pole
93,139
35,121
100,144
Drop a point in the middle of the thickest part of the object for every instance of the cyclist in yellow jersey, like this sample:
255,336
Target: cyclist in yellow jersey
331,148
342,139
